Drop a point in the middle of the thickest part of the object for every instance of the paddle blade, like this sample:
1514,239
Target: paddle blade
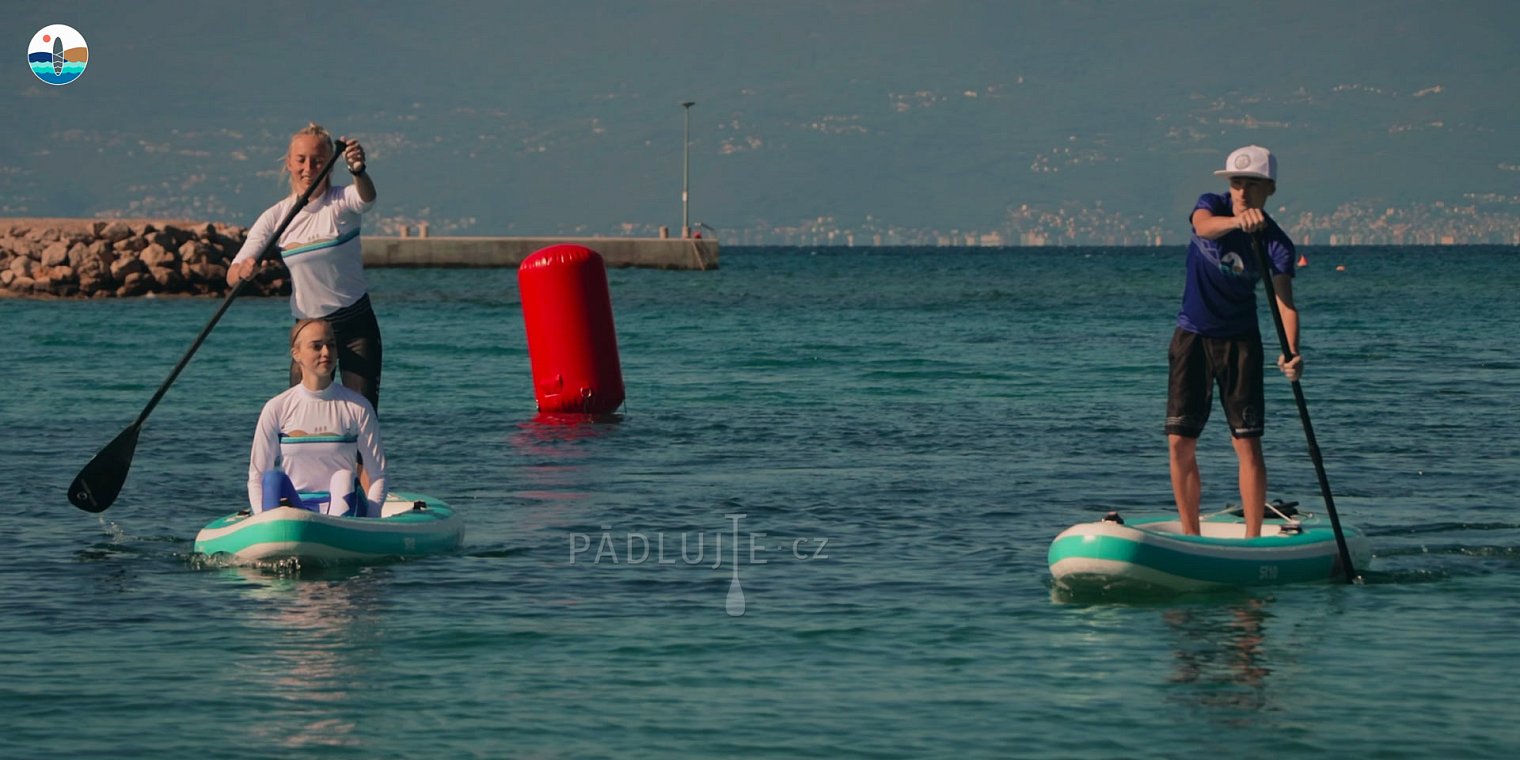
96,486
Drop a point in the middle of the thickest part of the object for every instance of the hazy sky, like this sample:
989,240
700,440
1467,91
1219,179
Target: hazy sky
523,117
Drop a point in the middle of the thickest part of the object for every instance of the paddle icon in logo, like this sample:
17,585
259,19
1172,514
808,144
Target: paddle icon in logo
58,54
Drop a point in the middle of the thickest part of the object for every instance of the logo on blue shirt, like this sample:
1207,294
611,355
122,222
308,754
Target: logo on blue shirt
1231,264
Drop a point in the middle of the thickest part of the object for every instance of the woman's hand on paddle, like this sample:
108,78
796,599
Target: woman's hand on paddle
242,270
353,155
1293,369
239,271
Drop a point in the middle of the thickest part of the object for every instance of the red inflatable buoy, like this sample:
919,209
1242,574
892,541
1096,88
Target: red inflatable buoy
572,346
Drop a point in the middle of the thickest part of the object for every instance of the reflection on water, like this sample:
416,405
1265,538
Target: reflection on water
547,455
578,425
316,655
1219,658
544,433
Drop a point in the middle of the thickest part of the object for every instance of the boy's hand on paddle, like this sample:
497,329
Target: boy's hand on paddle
1293,369
1251,220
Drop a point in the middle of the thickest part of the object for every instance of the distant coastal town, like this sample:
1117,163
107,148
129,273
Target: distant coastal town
1478,220
1485,220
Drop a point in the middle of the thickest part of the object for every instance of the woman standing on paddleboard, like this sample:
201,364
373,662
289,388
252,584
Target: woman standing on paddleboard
322,251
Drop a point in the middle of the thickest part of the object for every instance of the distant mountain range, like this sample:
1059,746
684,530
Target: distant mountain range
893,114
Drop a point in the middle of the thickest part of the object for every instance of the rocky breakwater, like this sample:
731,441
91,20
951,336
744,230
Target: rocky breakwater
72,258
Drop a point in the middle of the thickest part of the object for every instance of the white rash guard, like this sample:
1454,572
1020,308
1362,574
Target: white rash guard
313,434
321,249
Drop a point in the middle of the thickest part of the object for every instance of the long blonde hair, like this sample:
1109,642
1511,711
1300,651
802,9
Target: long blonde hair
316,130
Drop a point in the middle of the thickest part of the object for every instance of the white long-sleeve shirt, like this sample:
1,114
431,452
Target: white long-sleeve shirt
321,249
313,434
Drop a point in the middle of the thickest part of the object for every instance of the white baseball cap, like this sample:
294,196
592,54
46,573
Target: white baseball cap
1250,161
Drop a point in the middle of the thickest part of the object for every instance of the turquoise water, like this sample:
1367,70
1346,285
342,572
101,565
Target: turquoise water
894,436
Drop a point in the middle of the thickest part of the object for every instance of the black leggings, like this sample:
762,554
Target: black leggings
358,336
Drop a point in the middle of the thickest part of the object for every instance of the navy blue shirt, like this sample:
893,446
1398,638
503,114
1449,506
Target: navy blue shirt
1219,297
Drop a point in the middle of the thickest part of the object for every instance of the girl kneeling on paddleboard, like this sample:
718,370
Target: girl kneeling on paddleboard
308,437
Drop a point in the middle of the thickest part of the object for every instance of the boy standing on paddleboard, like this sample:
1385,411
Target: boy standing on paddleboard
1218,341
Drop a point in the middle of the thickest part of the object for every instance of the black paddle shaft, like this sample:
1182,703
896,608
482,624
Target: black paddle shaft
1303,409
97,485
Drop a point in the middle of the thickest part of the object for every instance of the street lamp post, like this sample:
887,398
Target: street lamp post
686,169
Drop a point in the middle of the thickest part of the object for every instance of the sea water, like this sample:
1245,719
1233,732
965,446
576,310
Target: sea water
818,529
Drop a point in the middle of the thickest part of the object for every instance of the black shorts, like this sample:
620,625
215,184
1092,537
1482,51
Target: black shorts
358,336
1197,364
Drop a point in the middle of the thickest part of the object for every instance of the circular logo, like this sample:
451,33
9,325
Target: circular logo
58,54
1242,161
1232,264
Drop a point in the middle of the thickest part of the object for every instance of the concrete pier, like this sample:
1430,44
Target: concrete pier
121,258
654,253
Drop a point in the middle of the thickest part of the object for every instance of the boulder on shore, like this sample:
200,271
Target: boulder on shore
89,258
